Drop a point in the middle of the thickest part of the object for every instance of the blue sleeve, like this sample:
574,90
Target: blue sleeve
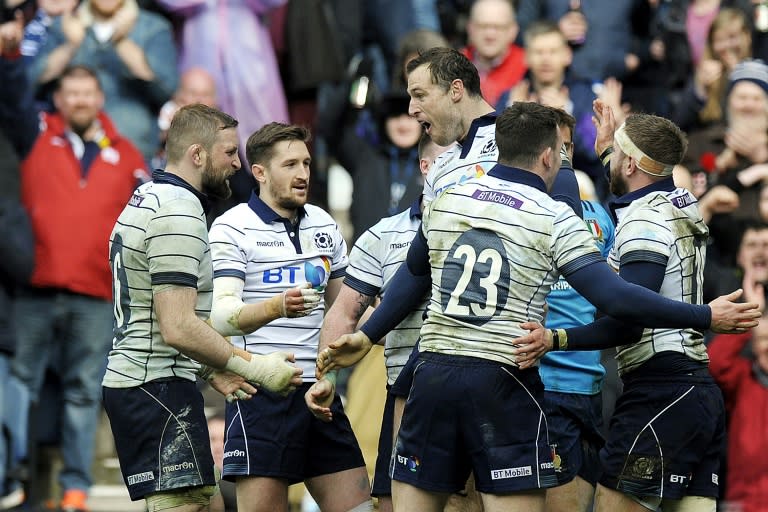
601,286
407,289
18,117
565,189
608,332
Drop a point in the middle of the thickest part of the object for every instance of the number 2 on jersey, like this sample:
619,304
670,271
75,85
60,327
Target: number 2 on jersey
475,279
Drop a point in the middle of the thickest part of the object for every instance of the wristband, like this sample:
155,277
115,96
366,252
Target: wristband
559,339
605,156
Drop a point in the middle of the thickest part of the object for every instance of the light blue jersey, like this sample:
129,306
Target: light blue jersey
576,372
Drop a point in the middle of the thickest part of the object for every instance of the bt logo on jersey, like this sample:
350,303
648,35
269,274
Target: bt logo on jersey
316,275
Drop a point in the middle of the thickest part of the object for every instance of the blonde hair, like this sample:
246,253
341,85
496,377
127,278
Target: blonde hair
713,107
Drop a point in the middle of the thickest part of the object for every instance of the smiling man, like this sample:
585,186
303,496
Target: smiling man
275,259
162,287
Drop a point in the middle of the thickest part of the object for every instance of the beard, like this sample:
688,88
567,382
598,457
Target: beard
618,187
286,201
215,185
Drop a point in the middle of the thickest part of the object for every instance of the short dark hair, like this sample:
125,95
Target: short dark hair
565,119
195,124
77,71
657,137
523,131
540,28
260,145
424,141
445,66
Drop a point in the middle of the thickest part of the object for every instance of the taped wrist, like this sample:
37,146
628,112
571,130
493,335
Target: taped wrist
605,156
270,372
227,304
205,372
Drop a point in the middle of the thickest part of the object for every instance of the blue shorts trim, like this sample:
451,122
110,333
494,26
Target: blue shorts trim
575,422
161,436
277,437
666,439
467,414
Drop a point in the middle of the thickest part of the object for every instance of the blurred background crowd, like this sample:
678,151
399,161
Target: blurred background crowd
88,89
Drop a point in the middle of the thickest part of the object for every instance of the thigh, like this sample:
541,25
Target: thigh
161,436
277,437
34,322
662,434
513,455
259,494
471,414
574,422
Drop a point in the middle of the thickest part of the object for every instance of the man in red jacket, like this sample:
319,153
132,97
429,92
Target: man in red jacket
739,364
744,381
74,182
491,30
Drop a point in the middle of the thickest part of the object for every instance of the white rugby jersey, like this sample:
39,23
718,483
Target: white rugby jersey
160,238
253,243
496,245
664,225
374,260
461,162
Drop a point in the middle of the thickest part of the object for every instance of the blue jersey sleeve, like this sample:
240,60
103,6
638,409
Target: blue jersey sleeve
600,285
608,332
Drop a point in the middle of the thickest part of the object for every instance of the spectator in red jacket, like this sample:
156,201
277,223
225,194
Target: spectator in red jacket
744,381
75,181
490,31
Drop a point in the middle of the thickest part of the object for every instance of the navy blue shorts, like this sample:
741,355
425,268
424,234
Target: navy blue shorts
666,439
382,483
574,423
161,436
277,437
402,385
468,414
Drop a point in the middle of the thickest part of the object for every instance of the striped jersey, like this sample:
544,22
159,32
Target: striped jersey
663,225
496,244
253,243
579,371
159,239
374,259
463,161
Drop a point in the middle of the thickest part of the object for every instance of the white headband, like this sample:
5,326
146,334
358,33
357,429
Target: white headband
645,163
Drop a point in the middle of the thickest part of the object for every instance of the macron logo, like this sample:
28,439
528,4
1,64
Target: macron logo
234,453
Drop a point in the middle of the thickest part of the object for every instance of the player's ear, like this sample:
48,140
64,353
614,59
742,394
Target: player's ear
258,172
631,166
196,153
457,89
546,158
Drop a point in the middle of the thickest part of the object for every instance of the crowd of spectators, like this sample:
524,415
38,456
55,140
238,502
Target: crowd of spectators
87,91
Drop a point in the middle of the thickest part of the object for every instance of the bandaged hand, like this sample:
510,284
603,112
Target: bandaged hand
299,301
231,385
273,372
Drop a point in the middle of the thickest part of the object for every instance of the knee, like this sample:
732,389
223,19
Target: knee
194,499
366,506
